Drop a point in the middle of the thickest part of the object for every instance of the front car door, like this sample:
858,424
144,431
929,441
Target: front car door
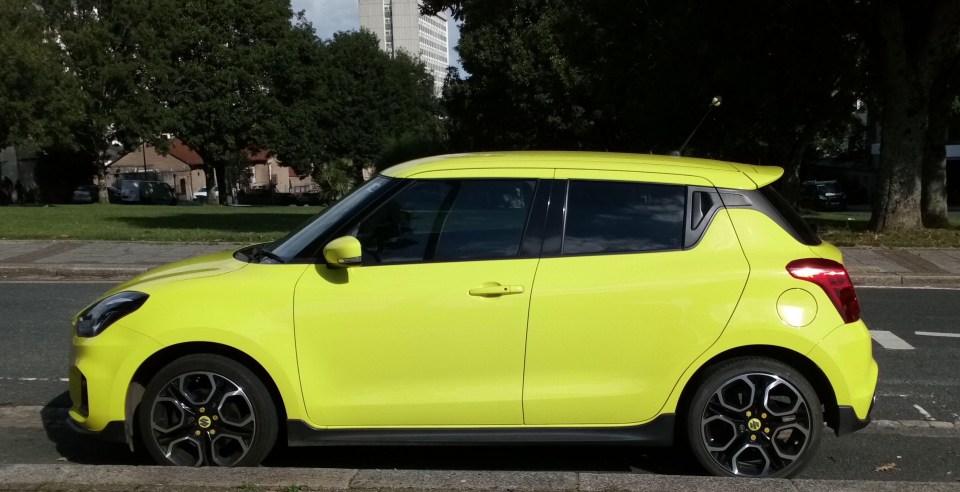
621,303
430,330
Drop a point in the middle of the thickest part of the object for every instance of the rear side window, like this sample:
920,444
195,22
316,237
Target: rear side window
623,217
792,222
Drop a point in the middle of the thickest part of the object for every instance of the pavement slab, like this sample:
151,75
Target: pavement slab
153,478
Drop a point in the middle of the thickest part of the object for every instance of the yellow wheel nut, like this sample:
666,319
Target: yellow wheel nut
763,415
202,409
766,430
196,433
753,437
213,431
749,413
216,418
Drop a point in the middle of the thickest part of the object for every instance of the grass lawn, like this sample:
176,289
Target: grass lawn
850,229
152,222
258,224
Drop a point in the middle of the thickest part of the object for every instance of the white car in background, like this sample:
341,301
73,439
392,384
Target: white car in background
201,194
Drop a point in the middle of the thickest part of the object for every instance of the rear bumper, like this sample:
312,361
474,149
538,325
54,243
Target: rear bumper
847,420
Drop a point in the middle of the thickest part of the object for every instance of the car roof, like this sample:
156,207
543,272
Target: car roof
719,173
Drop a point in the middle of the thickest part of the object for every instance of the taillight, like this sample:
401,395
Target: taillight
832,277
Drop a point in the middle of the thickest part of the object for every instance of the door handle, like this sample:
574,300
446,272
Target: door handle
496,290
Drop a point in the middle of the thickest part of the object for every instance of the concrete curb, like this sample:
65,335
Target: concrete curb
904,279
152,478
107,272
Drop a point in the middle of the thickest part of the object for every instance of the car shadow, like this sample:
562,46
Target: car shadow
79,448
90,450
628,459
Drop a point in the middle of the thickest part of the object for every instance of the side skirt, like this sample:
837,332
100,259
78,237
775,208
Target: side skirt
657,432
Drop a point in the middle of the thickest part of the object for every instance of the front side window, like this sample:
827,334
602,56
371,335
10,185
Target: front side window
623,217
445,220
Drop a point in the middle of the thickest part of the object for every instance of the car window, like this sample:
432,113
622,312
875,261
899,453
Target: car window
623,217
443,220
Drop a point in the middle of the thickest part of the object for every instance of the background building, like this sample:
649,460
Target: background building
399,26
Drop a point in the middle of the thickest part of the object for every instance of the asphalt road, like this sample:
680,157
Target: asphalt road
917,383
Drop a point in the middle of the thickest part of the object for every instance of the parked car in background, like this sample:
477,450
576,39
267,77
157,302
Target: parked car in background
201,194
90,194
147,193
676,301
823,195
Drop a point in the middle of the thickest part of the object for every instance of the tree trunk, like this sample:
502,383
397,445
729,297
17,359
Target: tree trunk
933,201
210,177
905,92
223,189
896,204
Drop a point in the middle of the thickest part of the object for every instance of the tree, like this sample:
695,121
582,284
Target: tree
637,76
214,75
38,100
377,98
107,48
913,46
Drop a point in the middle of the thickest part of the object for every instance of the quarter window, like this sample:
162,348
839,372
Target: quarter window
623,217
445,220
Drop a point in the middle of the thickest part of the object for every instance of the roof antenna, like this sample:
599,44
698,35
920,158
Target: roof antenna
715,102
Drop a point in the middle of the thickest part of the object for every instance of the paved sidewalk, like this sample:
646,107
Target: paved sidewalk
25,260
150,478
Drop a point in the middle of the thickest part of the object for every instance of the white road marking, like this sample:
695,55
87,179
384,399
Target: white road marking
923,412
62,380
889,341
935,334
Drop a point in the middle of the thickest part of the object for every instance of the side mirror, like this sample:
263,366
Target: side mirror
343,252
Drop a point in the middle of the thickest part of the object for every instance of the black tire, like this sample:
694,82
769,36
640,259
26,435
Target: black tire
207,410
754,417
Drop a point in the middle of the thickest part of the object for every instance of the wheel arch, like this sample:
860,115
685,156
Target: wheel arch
161,358
806,367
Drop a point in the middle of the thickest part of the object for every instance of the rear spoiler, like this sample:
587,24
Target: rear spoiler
761,175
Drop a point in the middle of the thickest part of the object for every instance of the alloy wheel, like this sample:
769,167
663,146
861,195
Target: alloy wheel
203,418
756,424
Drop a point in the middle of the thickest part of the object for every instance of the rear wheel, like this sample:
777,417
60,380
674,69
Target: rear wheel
207,410
754,417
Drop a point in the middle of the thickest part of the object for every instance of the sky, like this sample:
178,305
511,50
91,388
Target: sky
330,16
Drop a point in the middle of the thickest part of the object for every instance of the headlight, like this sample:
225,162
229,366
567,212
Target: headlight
96,318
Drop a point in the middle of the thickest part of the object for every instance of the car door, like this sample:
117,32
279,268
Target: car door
620,306
430,330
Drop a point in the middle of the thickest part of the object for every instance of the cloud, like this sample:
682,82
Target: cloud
330,16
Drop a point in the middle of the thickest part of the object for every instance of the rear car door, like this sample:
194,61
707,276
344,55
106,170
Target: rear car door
623,302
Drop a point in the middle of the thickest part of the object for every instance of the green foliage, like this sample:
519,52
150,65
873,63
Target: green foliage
410,146
637,76
40,103
386,98
224,76
335,179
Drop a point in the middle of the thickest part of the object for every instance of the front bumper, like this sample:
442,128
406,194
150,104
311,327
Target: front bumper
101,369
113,432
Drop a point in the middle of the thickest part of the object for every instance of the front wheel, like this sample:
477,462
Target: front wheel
207,410
754,417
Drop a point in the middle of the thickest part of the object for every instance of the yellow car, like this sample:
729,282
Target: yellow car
545,297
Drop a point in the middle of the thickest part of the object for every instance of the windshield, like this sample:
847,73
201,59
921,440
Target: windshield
316,227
